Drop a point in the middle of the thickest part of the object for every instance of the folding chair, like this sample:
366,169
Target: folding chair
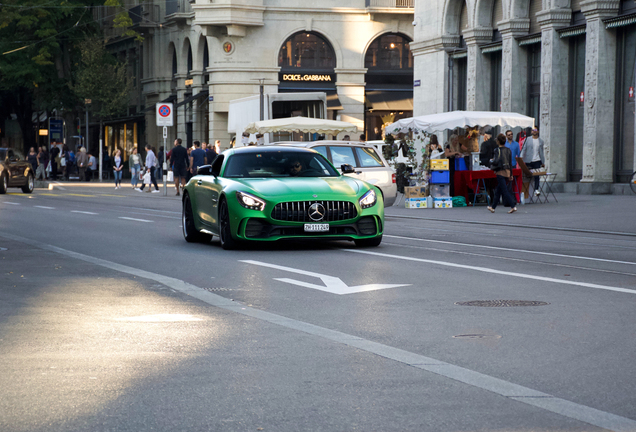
529,174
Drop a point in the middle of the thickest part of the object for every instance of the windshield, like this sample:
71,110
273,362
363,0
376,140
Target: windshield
278,164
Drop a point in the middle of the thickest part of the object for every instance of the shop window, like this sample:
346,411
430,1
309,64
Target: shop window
534,82
307,50
389,52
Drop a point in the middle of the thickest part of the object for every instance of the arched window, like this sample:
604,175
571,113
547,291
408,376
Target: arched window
389,52
189,60
306,50
206,55
174,63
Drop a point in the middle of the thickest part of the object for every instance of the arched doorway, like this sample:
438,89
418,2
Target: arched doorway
389,83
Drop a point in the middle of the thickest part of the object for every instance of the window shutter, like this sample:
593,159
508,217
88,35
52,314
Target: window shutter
463,19
535,6
497,14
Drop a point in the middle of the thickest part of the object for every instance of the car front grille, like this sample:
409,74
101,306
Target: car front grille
298,211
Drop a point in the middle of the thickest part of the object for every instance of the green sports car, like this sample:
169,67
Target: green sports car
273,193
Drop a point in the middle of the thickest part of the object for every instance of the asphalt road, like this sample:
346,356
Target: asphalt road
110,321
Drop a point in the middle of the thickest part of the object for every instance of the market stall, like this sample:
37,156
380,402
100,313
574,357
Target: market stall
301,124
471,175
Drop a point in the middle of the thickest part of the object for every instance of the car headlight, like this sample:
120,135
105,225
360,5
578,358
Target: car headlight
249,201
368,199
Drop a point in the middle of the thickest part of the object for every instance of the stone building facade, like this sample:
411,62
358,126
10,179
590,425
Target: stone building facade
202,54
571,64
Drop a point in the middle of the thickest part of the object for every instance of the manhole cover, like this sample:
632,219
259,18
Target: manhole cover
502,303
478,336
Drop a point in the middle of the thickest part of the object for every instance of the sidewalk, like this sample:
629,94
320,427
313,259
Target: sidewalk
107,186
608,213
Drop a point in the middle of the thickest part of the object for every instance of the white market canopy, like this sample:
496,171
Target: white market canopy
450,120
301,124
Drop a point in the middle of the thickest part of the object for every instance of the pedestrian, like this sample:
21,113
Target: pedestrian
363,138
487,148
64,162
118,165
502,166
217,147
189,163
532,155
134,164
197,158
514,148
151,164
210,153
40,172
82,163
346,138
435,150
54,158
160,158
91,167
32,157
178,161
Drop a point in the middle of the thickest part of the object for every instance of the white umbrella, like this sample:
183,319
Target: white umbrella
301,124
451,120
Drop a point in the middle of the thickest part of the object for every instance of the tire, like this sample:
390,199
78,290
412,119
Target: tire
372,242
632,183
190,232
30,184
225,230
4,184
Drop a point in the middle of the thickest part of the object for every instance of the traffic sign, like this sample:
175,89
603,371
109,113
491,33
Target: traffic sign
164,114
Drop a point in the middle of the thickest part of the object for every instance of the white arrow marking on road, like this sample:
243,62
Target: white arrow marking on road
332,284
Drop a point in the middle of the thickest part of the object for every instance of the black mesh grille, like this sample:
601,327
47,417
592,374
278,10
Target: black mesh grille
298,211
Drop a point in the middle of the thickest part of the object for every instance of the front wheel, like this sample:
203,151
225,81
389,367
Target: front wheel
190,232
30,184
632,183
372,242
225,230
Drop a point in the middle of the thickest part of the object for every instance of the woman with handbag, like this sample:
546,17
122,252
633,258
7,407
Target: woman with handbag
502,166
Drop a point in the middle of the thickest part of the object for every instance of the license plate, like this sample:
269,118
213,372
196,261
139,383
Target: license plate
316,227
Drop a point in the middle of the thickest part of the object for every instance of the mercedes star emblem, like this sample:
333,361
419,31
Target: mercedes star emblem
316,212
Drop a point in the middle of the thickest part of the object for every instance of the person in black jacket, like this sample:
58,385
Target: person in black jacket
179,164
502,165
487,148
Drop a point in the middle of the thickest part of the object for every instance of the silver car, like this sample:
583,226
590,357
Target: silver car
369,164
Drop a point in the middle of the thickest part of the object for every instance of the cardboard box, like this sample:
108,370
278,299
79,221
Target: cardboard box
415,191
439,165
417,203
444,202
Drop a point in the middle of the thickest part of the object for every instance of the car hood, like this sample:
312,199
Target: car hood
304,188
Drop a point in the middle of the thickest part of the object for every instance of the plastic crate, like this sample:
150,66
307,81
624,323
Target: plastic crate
439,164
440,177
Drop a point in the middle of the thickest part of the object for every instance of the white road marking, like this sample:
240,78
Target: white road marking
497,386
499,272
83,212
525,251
45,207
332,284
136,220
9,202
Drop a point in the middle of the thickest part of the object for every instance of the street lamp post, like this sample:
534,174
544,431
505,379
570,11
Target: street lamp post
261,82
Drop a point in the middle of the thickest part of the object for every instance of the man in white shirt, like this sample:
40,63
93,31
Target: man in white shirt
532,154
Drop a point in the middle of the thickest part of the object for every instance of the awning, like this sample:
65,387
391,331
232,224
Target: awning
301,124
620,21
491,48
572,31
333,103
530,40
433,123
389,100
170,98
189,99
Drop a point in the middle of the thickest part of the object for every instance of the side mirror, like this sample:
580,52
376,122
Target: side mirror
204,170
347,169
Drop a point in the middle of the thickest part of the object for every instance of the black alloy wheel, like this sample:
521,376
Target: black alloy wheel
4,183
225,231
372,242
190,233
30,184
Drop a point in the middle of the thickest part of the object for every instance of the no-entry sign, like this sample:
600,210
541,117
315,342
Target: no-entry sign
164,114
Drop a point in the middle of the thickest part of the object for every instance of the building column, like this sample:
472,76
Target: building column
350,85
478,79
431,68
514,80
197,87
600,84
180,119
554,90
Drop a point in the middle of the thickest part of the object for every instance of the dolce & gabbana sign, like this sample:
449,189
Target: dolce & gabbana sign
306,77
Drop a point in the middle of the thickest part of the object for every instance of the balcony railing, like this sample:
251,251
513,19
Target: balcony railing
390,3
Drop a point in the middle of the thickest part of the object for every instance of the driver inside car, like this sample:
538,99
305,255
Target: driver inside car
296,167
